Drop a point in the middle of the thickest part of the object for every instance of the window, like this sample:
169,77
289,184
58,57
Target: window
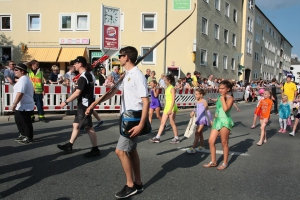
250,4
256,56
74,22
149,22
226,36
5,22
215,60
34,22
150,58
217,4
227,9
203,57
204,25
255,75
232,64
257,38
235,15
249,24
233,40
206,1
225,62
216,31
249,46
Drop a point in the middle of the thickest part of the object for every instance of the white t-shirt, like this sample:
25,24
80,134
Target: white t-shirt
24,85
134,87
211,83
70,75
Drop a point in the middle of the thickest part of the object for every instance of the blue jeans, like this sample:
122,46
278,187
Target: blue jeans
38,99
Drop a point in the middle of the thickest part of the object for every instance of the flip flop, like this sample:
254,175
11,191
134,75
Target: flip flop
222,167
210,164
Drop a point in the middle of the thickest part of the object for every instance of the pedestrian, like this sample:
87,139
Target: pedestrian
55,77
134,97
189,79
102,76
257,111
222,125
290,90
170,111
201,120
9,74
115,74
84,94
37,78
265,106
109,82
194,79
274,87
151,77
155,103
297,106
148,71
247,93
23,104
161,81
71,72
284,113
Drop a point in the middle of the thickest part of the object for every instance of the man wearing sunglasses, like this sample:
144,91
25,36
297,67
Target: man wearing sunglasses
23,104
9,73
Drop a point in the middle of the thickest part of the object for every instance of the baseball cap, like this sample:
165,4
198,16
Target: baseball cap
80,59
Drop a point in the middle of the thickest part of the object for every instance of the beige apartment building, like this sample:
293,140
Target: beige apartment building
271,50
41,30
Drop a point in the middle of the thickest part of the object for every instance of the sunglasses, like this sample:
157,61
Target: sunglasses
13,64
16,70
120,55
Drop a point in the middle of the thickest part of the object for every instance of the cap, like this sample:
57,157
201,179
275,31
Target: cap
80,59
290,75
21,66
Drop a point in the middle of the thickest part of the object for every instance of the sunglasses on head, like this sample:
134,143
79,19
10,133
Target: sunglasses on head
16,69
120,55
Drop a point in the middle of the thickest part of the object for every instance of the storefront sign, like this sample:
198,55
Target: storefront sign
74,41
181,4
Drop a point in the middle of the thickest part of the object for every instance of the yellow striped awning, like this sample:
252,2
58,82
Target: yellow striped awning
68,54
41,54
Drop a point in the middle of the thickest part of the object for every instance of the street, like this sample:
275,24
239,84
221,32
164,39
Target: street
41,171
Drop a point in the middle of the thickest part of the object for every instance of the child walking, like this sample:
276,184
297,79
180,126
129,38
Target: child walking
222,124
257,111
284,113
170,111
265,106
155,103
297,106
201,120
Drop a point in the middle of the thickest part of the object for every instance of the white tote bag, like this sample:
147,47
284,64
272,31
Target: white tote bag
190,129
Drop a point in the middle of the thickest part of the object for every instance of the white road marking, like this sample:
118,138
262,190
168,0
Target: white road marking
231,153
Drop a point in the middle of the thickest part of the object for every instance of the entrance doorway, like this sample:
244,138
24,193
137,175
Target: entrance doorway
5,54
247,75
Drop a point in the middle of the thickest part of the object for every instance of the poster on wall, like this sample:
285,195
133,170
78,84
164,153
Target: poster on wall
110,26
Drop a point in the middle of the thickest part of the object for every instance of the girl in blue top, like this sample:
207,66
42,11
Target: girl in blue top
284,113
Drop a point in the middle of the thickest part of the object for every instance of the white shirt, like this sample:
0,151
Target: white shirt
24,85
134,87
211,83
162,83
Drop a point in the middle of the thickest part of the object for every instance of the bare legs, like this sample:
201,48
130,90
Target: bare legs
157,112
91,132
263,134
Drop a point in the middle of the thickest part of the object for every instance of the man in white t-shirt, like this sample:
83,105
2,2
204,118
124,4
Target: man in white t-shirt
134,97
71,73
23,104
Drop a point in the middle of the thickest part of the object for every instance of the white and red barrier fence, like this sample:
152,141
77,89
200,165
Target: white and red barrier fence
55,94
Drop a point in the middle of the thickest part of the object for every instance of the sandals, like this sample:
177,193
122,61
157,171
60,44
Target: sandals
210,164
259,143
222,167
265,141
252,127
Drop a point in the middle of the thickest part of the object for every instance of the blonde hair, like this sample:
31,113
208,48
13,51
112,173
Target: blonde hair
54,67
285,96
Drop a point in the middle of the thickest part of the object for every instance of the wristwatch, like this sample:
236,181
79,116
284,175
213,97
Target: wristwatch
66,102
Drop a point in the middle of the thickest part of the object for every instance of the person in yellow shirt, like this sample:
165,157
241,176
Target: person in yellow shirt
290,90
195,79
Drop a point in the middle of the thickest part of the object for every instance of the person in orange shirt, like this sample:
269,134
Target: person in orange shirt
265,106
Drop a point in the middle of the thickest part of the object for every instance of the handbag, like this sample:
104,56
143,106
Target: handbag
130,119
190,129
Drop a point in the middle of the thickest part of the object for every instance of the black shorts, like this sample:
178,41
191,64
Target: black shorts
298,115
79,117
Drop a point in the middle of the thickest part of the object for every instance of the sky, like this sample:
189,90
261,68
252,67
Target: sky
284,14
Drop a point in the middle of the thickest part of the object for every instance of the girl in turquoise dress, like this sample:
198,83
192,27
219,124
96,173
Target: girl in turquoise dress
222,124
170,111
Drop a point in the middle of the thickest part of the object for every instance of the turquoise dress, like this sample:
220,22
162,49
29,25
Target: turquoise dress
222,118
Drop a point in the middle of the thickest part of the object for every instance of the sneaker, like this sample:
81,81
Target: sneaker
20,138
292,134
92,153
191,150
66,147
126,192
292,117
155,140
200,149
283,131
25,140
280,130
99,124
139,188
175,141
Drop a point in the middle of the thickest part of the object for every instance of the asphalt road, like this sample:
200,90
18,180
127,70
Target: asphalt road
41,171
